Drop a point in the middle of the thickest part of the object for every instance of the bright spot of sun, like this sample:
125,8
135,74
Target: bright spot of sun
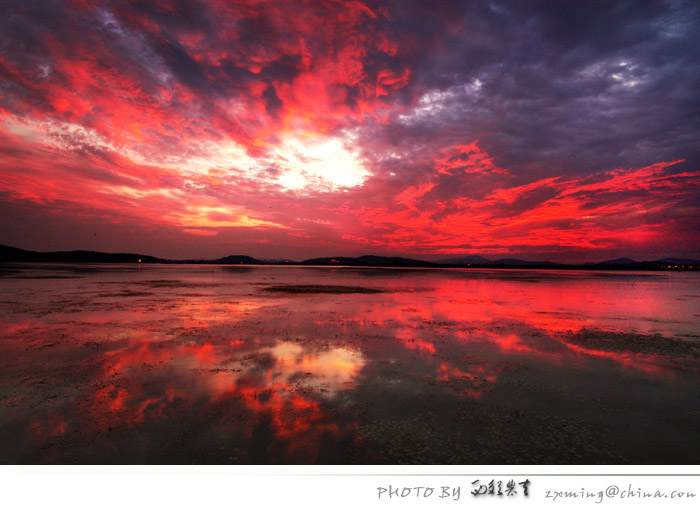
319,162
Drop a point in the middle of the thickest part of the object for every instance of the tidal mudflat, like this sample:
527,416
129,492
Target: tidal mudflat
275,365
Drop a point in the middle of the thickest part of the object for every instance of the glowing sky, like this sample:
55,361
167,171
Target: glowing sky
197,129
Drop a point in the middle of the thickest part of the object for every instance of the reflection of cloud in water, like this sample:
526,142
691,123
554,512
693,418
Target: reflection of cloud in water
333,369
202,312
286,379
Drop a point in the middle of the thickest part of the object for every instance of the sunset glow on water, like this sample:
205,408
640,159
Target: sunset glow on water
201,364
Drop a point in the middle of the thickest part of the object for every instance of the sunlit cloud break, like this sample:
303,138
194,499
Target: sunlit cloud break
299,129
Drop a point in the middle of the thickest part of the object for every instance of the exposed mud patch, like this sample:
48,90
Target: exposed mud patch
313,288
126,293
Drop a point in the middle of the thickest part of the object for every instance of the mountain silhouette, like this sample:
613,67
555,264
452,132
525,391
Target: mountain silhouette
10,254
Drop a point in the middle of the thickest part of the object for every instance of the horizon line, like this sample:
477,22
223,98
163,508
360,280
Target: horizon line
438,262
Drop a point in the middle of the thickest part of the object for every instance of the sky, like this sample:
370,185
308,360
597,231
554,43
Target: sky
560,130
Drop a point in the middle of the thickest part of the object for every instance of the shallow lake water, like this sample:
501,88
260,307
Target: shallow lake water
274,365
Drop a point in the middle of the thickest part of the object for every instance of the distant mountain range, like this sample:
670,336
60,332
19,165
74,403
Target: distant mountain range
9,254
483,261
369,260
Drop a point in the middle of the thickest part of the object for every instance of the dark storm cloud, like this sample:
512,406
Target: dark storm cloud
558,87
273,104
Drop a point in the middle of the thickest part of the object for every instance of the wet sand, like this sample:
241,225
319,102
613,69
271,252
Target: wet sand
263,365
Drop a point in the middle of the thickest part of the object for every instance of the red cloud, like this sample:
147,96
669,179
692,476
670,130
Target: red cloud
625,207
249,121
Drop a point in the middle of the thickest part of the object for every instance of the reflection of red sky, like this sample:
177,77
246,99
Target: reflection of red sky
411,339
514,344
490,320
648,363
448,373
332,369
187,312
476,304
200,311
10,328
297,419
569,306
49,426
205,373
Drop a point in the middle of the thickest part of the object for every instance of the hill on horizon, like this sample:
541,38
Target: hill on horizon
11,254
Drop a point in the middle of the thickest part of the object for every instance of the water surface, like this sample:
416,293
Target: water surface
227,364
